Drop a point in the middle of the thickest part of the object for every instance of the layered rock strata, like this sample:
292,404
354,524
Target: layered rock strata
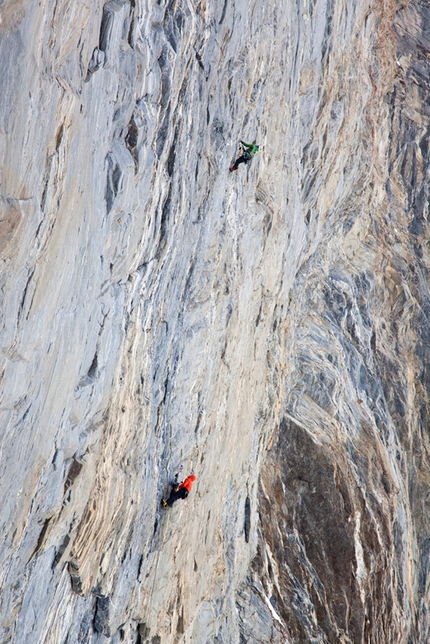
267,329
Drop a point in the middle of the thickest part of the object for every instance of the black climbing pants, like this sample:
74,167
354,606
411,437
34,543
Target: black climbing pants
246,156
177,494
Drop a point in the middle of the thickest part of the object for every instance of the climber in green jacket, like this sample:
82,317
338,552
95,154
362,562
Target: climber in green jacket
251,150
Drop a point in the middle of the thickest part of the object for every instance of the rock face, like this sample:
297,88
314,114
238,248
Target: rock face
268,328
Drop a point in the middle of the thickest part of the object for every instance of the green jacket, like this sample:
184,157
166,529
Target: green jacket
251,148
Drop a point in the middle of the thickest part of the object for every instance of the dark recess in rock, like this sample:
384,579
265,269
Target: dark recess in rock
74,471
131,140
139,567
113,183
106,28
165,212
224,9
247,525
61,550
75,577
180,625
41,537
101,617
172,152
93,368
143,633
24,295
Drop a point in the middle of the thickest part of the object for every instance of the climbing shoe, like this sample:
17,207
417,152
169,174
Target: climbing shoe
164,503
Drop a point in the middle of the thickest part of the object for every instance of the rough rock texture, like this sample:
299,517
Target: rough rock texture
268,329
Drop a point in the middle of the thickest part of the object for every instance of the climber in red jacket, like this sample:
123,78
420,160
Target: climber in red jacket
180,491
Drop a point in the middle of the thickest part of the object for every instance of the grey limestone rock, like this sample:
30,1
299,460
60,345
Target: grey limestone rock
267,329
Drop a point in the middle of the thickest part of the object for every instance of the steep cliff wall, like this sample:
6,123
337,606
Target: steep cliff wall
344,523
267,328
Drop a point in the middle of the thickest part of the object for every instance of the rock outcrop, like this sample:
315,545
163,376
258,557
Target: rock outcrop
267,329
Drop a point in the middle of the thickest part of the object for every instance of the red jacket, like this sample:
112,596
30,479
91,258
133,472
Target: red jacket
188,483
